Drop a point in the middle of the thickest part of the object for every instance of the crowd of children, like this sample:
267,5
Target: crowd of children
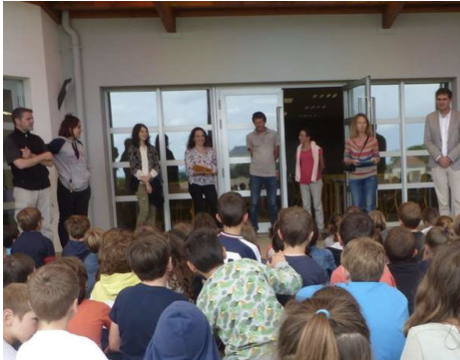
203,291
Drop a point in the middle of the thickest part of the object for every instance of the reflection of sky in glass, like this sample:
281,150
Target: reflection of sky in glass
414,134
358,100
130,108
237,143
185,107
178,143
386,101
420,100
241,108
391,135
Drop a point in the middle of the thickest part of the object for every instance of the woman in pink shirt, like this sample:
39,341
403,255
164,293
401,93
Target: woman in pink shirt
309,165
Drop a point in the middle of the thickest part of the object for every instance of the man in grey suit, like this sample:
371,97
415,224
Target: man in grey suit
442,140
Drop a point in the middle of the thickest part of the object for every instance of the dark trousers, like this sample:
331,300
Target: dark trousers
209,192
70,203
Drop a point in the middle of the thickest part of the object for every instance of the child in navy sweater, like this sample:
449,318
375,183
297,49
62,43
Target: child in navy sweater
77,226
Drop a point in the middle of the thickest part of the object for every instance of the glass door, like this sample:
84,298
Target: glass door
235,109
356,99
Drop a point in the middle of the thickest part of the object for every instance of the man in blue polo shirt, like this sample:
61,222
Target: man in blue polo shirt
28,157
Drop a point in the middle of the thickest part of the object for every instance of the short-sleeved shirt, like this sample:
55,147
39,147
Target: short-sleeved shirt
262,146
91,317
36,245
239,300
32,178
136,311
238,248
385,310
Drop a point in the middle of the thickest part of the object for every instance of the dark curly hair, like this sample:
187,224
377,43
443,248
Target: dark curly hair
181,275
113,252
191,142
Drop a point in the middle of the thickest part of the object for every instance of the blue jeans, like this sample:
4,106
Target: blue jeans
363,192
256,184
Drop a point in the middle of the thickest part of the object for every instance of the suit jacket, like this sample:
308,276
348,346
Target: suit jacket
433,141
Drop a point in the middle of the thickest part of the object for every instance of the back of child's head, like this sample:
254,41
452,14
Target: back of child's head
400,244
436,237
77,226
430,215
457,225
353,209
276,242
327,326
93,239
181,275
410,214
232,208
447,224
17,268
10,233
296,225
143,230
315,237
184,228
29,219
113,252
379,220
364,259
249,233
53,291
76,266
334,223
148,256
204,250
438,297
16,298
356,225
204,220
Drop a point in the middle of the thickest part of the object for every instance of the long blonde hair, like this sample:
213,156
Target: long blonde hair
438,295
328,326
354,121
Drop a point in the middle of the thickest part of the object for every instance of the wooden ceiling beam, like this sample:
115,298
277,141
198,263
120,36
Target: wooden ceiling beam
166,14
391,12
102,5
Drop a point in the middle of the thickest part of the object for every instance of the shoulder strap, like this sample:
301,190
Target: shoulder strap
362,149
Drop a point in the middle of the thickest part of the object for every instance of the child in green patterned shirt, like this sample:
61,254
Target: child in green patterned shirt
239,298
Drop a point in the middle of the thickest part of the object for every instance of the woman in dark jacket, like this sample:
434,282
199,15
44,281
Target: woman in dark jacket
145,167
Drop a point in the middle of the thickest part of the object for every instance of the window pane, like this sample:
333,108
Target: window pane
389,170
388,137
359,103
388,203
418,169
122,181
237,143
186,108
420,100
127,216
386,102
7,105
182,211
177,179
7,186
121,144
240,109
425,197
239,177
415,136
129,108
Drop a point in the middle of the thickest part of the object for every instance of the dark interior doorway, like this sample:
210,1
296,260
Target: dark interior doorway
320,110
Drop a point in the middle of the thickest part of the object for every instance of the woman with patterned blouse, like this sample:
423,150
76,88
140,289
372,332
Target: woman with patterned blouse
145,166
201,167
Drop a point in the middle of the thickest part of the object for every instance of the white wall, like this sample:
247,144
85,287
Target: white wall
136,52
31,52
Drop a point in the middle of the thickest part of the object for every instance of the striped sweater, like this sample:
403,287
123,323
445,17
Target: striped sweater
371,150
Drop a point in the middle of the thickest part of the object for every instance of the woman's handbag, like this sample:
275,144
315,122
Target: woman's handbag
352,167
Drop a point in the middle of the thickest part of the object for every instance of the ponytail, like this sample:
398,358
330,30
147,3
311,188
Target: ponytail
318,341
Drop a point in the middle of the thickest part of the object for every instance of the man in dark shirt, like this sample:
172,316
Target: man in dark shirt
28,157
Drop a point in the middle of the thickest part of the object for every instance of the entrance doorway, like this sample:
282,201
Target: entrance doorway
321,110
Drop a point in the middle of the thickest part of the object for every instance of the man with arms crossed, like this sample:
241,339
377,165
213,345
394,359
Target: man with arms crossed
264,146
28,157
442,140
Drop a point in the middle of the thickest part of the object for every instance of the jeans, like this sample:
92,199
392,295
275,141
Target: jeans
70,203
256,184
364,192
209,192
